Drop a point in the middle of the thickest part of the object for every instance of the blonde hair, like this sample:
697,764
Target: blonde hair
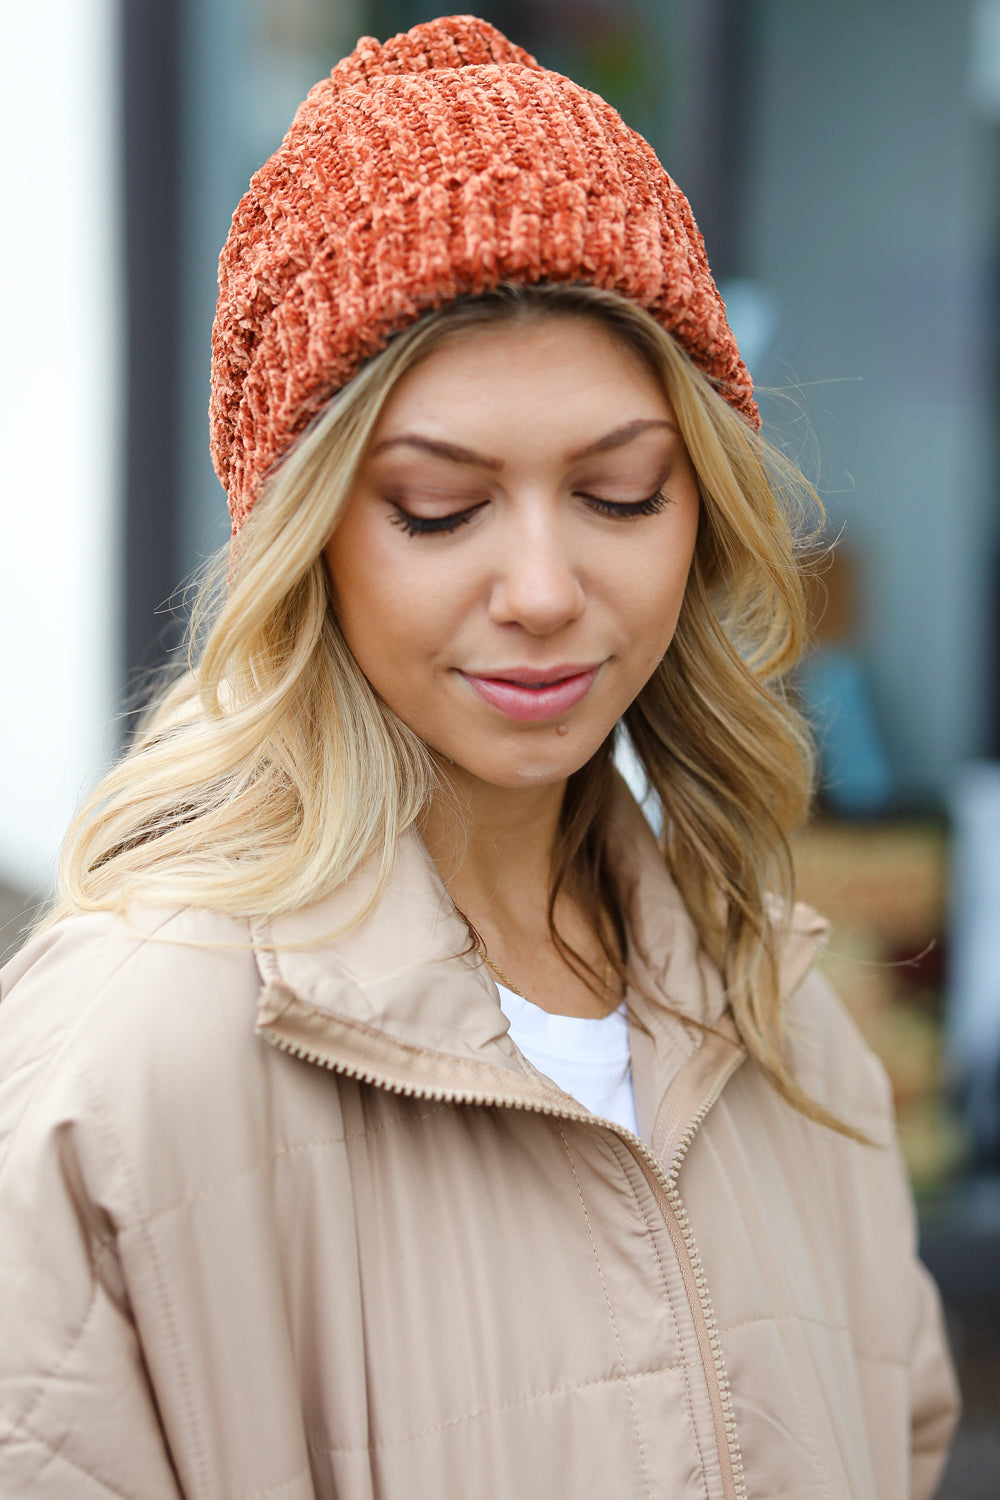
270,770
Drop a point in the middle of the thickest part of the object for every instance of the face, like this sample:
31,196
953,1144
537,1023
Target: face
511,565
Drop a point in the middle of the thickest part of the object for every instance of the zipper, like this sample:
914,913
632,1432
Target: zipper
668,1199
720,1395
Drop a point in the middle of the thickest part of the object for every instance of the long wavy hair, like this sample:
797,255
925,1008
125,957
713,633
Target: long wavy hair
269,771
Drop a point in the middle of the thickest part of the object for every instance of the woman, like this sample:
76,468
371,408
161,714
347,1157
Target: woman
387,1112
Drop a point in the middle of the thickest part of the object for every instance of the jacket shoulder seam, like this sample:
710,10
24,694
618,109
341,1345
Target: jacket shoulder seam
195,1428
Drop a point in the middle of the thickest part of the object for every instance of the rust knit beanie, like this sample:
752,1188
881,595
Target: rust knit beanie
438,164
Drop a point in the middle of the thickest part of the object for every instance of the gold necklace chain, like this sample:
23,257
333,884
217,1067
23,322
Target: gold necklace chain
510,985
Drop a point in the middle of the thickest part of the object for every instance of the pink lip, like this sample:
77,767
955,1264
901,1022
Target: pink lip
562,689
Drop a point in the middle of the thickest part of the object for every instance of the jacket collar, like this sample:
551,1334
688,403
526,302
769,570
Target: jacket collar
392,992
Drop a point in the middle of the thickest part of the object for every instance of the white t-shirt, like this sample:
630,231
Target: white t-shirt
588,1057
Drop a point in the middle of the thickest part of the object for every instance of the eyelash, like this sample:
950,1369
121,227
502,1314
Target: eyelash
648,507
436,525
429,525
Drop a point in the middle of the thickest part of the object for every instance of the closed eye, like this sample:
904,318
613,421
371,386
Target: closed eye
431,525
623,510
444,525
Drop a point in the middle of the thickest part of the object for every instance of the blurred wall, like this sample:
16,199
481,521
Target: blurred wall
246,64
872,225
59,389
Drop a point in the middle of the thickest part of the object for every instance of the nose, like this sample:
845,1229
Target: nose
537,582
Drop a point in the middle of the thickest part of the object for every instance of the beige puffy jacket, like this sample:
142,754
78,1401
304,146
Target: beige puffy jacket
298,1221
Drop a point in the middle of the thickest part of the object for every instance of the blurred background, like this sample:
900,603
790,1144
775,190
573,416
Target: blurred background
843,161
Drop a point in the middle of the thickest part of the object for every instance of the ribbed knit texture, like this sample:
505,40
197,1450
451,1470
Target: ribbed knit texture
440,163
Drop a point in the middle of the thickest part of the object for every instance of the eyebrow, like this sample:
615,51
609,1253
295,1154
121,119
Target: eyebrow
451,451
454,453
619,437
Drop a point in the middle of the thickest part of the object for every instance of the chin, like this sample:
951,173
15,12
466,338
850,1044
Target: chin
538,775
538,770
549,761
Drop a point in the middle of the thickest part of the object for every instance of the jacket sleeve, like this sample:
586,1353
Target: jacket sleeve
837,1066
934,1396
77,1415
934,1391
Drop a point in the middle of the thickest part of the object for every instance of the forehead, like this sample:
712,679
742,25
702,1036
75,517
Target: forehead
562,368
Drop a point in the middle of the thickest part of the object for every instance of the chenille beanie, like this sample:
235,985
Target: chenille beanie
438,164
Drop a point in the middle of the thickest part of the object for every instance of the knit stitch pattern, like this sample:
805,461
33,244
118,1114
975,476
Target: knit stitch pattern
436,165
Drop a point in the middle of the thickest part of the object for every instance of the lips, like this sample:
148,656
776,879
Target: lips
533,696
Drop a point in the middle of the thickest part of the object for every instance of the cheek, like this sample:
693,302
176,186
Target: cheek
362,595
363,584
394,616
658,588
381,626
